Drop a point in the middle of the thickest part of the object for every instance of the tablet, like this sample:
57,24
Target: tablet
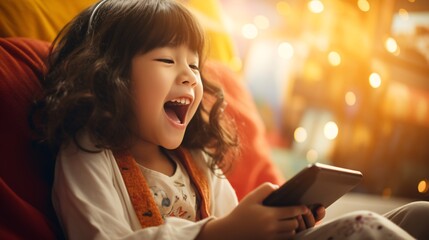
317,184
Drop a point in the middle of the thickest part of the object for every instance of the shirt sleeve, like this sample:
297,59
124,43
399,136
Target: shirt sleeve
90,206
224,199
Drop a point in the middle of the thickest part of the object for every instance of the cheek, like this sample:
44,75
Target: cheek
150,88
199,92
140,110
198,95
146,102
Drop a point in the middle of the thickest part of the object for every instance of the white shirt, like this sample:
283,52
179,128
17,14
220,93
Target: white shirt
92,202
174,196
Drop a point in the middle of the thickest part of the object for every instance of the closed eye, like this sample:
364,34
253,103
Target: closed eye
165,60
195,67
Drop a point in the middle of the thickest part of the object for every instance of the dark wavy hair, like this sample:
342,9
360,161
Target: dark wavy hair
87,86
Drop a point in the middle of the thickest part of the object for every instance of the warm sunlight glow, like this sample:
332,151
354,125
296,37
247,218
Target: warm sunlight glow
236,63
421,110
300,134
283,8
334,58
331,79
350,98
315,6
261,22
285,50
330,130
363,5
391,45
312,156
249,31
313,71
423,186
375,80
399,99
229,24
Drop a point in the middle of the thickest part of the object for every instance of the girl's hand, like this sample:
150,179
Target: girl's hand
310,219
251,220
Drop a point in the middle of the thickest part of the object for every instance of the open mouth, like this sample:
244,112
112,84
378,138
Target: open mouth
176,109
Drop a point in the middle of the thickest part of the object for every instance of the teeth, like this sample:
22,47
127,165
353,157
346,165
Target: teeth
183,101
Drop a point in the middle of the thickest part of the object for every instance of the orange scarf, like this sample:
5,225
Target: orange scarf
141,197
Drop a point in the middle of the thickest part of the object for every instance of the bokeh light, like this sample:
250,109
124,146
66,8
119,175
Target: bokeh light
315,6
363,5
312,156
423,186
375,80
300,134
285,50
350,98
391,45
403,13
334,58
249,31
330,130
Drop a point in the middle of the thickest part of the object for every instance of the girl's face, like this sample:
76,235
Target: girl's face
167,88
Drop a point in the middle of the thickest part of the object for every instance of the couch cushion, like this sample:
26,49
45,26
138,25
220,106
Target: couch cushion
26,170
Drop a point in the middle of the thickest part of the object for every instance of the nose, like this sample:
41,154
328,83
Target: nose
187,77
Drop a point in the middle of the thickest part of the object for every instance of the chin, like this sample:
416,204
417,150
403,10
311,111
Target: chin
172,144
170,147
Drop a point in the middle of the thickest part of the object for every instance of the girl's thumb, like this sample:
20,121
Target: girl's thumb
260,193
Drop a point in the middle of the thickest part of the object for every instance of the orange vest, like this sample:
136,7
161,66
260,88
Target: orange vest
141,197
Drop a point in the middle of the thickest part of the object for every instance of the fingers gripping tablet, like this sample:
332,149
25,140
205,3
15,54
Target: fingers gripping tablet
317,184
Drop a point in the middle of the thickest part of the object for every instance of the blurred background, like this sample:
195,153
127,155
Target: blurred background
343,82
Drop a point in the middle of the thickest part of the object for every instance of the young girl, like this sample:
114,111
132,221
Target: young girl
140,134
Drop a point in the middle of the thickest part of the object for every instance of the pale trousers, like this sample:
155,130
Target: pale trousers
410,221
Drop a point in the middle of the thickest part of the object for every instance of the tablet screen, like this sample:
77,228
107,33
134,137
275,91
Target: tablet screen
318,184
